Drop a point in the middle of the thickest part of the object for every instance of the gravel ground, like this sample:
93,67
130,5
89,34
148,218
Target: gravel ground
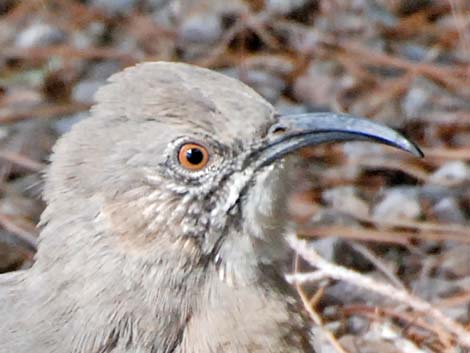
400,224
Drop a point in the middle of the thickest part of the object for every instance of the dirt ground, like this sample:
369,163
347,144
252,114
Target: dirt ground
387,260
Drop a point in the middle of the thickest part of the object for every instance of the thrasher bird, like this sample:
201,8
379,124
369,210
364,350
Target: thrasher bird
164,225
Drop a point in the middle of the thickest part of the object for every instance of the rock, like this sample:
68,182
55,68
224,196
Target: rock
448,210
379,14
389,114
4,132
31,186
302,41
461,138
342,22
275,64
414,51
321,343
88,36
17,206
432,193
114,7
361,150
451,174
357,324
345,293
318,86
286,107
39,35
427,101
165,16
284,7
334,248
351,344
84,91
268,84
203,28
155,5
33,138
327,247
398,204
458,313
457,260
202,22
301,207
415,101
446,23
429,288
64,124
7,32
104,69
329,217
132,45
345,199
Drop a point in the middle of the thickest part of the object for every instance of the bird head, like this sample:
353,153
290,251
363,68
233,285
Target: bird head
184,158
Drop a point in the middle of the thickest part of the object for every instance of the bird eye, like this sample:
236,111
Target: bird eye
193,156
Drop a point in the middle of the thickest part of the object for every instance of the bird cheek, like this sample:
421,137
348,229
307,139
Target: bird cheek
128,226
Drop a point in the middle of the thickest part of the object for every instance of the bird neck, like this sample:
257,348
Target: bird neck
168,296
258,316
174,306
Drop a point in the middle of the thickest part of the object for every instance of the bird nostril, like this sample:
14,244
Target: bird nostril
278,129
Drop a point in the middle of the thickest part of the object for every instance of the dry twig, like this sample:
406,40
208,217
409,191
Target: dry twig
461,335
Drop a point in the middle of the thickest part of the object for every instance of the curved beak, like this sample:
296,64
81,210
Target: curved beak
292,132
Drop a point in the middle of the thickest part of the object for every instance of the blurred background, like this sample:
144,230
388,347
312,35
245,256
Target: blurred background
383,214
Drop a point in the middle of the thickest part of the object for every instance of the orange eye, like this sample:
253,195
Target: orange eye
193,156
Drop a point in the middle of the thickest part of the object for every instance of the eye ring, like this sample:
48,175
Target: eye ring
193,156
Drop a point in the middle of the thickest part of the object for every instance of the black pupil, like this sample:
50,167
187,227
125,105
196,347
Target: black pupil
194,156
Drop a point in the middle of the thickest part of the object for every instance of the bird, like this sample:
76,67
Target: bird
164,230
